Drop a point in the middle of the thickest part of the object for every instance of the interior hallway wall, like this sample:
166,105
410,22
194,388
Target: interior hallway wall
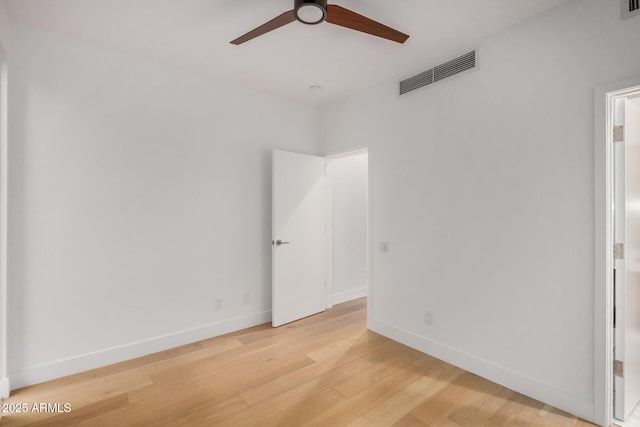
349,177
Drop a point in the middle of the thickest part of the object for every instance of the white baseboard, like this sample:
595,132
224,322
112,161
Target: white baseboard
4,388
341,297
85,362
499,374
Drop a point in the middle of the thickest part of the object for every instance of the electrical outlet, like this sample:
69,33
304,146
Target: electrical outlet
217,304
428,317
246,298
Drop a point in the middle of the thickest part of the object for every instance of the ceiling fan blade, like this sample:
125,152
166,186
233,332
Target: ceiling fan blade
338,15
275,23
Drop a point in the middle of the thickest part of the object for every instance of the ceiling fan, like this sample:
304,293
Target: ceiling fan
313,12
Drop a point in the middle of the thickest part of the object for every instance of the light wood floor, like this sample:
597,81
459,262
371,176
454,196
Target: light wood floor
326,370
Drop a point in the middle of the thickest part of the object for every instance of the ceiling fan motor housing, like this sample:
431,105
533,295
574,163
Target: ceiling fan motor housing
310,11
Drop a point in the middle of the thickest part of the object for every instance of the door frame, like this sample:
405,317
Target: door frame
4,176
333,155
603,245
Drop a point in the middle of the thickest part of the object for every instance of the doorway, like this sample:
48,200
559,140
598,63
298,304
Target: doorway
617,246
626,265
348,226
320,234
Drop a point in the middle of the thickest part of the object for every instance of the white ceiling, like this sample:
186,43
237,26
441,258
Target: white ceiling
196,34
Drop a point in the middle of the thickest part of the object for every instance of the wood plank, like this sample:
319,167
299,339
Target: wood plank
519,411
280,402
549,416
379,372
71,418
438,407
350,409
300,413
79,395
219,388
325,370
409,421
391,410
482,401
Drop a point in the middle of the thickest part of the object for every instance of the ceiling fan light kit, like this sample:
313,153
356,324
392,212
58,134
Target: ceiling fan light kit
312,12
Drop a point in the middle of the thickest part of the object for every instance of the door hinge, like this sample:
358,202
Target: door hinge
618,133
618,368
618,251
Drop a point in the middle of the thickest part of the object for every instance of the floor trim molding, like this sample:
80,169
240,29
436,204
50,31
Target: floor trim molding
4,388
85,362
345,296
499,374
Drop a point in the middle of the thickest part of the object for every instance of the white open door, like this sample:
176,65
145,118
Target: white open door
627,264
298,246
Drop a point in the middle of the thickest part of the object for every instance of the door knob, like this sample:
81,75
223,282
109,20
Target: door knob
279,242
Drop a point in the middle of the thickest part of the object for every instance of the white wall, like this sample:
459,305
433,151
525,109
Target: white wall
5,41
348,177
140,193
484,187
4,64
